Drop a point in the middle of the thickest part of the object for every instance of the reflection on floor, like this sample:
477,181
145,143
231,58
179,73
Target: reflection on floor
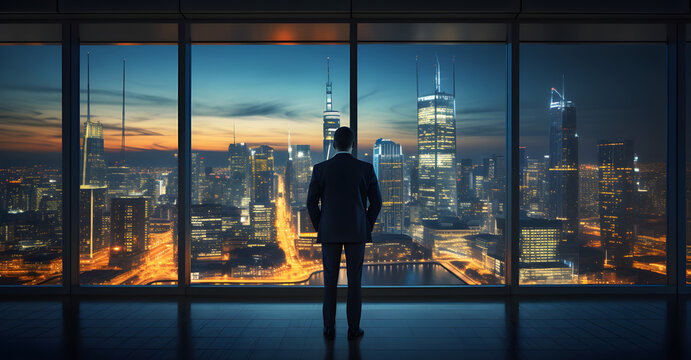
535,328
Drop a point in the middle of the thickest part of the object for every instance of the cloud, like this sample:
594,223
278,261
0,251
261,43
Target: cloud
275,109
132,131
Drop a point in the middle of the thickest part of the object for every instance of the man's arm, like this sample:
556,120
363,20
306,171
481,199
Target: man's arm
313,196
374,196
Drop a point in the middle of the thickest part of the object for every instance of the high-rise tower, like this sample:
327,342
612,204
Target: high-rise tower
616,189
563,171
332,118
240,169
93,167
388,162
436,145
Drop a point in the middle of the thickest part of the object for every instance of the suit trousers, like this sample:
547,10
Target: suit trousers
331,256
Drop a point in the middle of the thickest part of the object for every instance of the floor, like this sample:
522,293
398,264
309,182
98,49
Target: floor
534,328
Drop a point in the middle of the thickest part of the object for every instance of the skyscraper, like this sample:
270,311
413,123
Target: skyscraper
128,229
388,161
93,167
332,118
436,124
539,261
302,174
239,169
262,175
563,171
198,175
92,205
616,195
206,230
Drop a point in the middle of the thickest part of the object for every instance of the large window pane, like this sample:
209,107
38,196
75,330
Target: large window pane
30,165
593,188
432,121
128,165
262,116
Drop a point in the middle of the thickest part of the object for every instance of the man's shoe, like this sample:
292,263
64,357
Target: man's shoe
353,334
329,333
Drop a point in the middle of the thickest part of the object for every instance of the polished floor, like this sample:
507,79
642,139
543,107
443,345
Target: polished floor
520,328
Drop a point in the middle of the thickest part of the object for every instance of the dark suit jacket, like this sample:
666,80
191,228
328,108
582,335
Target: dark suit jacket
343,184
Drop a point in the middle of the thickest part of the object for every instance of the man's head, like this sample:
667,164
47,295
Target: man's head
343,139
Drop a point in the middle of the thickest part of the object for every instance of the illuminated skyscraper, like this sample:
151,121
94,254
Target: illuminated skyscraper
302,174
436,129
262,175
92,206
128,230
616,195
262,220
388,161
93,166
563,171
239,168
206,229
198,175
539,244
332,118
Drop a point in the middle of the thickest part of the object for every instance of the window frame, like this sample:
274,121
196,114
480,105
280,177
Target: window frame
676,37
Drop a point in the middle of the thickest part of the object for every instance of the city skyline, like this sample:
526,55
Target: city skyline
480,112
444,203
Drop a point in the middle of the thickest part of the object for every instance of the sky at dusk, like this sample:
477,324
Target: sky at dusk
267,90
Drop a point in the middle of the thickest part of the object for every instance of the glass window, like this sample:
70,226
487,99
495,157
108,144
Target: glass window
593,173
262,116
128,165
432,122
30,165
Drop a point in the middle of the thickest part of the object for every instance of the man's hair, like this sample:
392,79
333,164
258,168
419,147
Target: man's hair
343,138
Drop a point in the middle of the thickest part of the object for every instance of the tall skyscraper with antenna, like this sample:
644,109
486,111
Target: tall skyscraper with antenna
332,118
563,172
436,139
93,166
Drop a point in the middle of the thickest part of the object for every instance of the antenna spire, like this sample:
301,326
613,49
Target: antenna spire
563,87
437,75
417,77
329,104
234,133
122,145
453,62
88,86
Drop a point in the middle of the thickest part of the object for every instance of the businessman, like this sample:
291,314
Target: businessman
344,185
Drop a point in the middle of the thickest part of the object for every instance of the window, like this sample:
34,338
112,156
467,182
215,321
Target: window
593,171
128,165
262,116
432,120
30,164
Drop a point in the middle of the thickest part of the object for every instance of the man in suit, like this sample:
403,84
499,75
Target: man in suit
343,184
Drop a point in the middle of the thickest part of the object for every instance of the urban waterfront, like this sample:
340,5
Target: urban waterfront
396,275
